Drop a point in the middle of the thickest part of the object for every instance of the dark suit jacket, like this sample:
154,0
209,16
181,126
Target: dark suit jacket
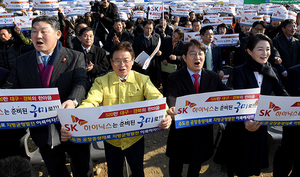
289,51
237,140
98,57
68,76
124,36
154,69
167,50
294,80
216,57
192,144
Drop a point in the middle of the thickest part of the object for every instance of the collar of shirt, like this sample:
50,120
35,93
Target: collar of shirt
147,37
124,78
85,48
42,54
289,39
191,74
207,46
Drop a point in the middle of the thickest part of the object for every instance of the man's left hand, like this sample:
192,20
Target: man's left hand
221,74
68,104
17,29
90,66
165,123
158,53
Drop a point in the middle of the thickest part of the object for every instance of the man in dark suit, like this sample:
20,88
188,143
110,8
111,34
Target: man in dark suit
116,35
213,58
171,54
95,57
147,42
192,145
52,65
287,157
287,45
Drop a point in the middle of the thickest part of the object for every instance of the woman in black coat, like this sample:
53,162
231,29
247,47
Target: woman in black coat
244,146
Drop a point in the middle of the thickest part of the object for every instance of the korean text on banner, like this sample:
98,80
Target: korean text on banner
113,122
278,110
16,4
226,40
25,108
216,107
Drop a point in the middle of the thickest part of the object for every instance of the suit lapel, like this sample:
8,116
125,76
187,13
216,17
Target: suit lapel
187,81
252,80
61,64
32,69
204,81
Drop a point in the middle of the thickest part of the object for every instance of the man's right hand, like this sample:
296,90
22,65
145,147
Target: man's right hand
65,135
172,112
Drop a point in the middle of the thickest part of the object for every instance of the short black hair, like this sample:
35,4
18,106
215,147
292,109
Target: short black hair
255,39
129,24
180,32
205,28
287,22
206,20
84,30
196,21
124,45
7,29
148,22
52,21
262,23
222,25
16,166
192,42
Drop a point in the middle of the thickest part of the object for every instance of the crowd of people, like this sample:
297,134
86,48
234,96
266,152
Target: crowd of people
91,60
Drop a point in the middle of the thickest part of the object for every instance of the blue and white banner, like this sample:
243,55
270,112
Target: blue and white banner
7,20
25,108
216,107
226,40
113,122
278,110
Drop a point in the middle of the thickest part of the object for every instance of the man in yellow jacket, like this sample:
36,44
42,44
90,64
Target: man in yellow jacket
119,87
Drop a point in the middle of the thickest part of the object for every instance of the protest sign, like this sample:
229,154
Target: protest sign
138,14
216,107
16,4
278,110
113,122
25,108
45,4
226,20
155,12
144,59
24,22
279,14
7,20
212,18
249,19
226,40
191,35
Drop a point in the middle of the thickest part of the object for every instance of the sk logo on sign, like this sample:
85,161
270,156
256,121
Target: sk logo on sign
274,107
79,121
190,104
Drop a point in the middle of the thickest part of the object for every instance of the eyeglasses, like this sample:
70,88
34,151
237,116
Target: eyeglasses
194,54
119,62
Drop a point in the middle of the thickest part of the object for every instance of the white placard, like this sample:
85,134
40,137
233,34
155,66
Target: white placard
45,4
226,40
25,108
7,20
16,4
278,110
216,107
113,122
24,22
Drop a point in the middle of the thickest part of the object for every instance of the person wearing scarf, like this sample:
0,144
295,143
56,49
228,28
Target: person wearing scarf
244,145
